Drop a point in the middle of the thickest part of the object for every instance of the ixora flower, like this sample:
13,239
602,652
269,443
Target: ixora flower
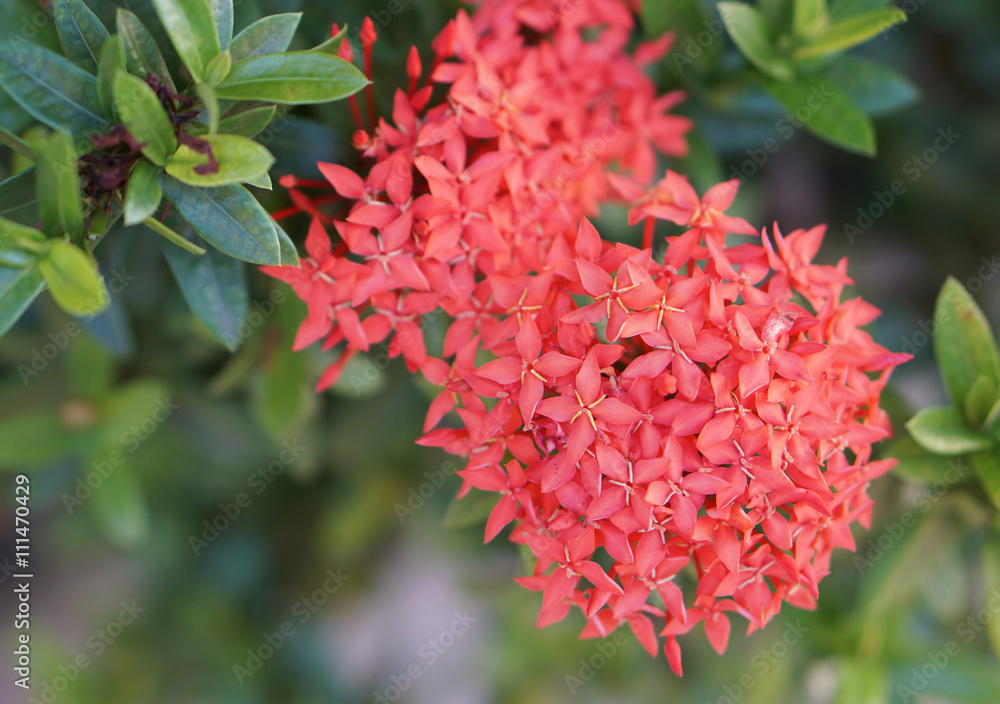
675,439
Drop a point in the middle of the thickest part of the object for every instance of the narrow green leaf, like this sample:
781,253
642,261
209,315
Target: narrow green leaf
875,88
171,236
749,30
144,116
987,468
943,431
191,28
332,45
112,61
963,342
851,32
240,160
270,35
142,194
222,12
19,199
289,255
80,32
294,78
215,288
33,439
53,89
142,55
218,68
58,184
73,278
980,401
825,110
810,18
229,218
246,124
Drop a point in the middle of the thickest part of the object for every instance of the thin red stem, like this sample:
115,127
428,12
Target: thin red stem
647,233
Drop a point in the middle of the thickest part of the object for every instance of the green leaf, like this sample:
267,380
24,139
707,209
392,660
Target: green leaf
222,12
825,110
810,18
142,194
229,218
118,503
51,88
963,342
750,32
211,105
80,32
191,27
332,45
19,199
33,439
111,61
90,368
20,245
851,32
943,431
18,288
73,278
240,159
247,124
142,55
874,87
281,396
218,68
215,288
263,181
289,255
140,400
986,465
270,35
980,401
294,78
471,510
58,184
778,12
842,9
915,463
171,236
144,116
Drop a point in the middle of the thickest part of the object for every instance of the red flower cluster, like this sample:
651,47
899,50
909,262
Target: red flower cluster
714,410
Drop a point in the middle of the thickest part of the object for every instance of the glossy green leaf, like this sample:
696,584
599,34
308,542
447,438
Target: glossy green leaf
191,27
289,255
240,159
332,45
80,32
142,55
222,12
118,504
471,510
987,468
810,18
112,60
851,32
215,288
142,194
980,401
19,199
218,68
58,186
875,88
963,342
943,431
33,439
294,78
842,9
18,288
53,89
270,35
750,32
228,217
73,279
826,111
143,114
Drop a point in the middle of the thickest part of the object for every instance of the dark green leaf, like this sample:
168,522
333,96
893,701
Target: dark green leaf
112,61
825,110
289,255
281,396
73,278
50,87
963,342
191,28
142,194
222,11
778,12
33,439
228,217
240,160
143,114
80,32
943,431
142,55
270,35
294,78
18,288
749,30
851,32
215,287
58,186
471,510
19,199
874,87
987,468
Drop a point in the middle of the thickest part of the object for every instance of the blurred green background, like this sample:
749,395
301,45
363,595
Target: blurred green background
256,543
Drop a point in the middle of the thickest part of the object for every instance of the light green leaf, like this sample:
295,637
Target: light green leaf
33,439
943,431
142,55
916,463
825,110
851,32
20,245
211,105
144,116
294,78
263,182
18,288
51,88
222,11
142,194
73,278
270,35
842,9
58,184
218,68
963,342
875,88
810,18
240,160
987,468
171,236
192,30
80,32
112,61
980,401
750,31
229,218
